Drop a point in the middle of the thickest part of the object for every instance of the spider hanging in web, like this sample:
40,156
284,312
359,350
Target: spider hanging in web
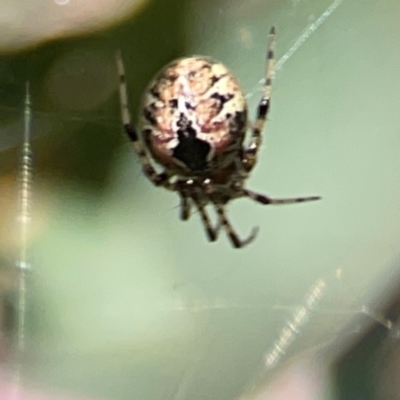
193,123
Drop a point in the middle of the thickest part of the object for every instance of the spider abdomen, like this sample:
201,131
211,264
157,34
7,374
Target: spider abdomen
194,116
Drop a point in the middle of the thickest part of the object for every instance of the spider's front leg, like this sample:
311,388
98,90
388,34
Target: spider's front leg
188,193
185,206
250,155
159,179
219,204
233,236
212,233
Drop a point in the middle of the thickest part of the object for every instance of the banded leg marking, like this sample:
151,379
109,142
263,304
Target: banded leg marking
157,179
263,199
263,107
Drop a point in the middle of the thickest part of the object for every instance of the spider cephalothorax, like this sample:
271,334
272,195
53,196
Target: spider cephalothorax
193,123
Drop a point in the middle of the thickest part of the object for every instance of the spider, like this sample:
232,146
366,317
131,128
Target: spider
193,123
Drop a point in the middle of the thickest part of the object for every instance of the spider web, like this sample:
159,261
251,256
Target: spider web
357,317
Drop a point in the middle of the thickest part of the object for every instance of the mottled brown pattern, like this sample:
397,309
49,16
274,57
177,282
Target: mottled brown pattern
185,87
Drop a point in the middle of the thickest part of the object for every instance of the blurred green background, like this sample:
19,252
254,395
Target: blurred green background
128,302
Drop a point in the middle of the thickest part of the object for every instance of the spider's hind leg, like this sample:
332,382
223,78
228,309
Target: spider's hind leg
263,199
250,156
158,179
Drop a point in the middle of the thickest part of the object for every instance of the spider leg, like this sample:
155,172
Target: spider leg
159,179
250,156
185,206
260,198
212,233
234,238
